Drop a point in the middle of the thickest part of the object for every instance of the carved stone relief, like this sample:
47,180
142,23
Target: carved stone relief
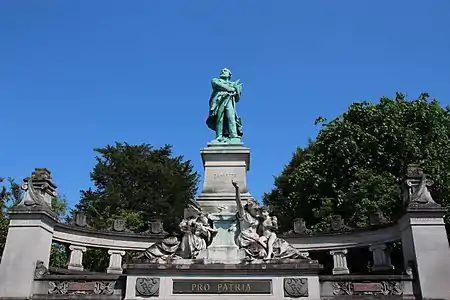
368,288
337,225
147,287
40,270
295,287
80,287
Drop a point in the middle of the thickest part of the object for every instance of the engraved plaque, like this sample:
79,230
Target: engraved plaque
222,286
366,287
81,287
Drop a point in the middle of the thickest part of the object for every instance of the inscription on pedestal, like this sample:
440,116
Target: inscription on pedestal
218,286
224,175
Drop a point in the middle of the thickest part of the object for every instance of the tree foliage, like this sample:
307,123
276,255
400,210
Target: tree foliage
10,194
137,183
354,165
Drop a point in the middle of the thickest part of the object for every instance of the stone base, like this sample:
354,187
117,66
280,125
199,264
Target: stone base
194,280
223,164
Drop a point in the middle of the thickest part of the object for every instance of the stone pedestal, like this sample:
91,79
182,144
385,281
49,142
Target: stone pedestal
381,258
29,240
223,248
193,280
424,242
222,164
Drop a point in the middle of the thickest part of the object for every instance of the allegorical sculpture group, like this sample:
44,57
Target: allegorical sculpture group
255,234
256,228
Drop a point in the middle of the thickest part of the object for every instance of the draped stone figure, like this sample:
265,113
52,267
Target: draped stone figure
257,235
197,235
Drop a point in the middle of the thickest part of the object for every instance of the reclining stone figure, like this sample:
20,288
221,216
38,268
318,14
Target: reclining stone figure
197,235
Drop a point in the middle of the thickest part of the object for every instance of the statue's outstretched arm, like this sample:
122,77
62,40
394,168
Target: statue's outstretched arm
219,85
238,198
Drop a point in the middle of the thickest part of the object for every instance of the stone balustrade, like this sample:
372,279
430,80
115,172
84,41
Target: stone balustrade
354,239
91,238
336,244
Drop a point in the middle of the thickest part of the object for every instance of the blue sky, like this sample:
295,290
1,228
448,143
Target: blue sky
76,75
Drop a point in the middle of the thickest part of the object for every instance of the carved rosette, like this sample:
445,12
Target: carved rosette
295,287
58,287
342,288
391,288
104,287
147,287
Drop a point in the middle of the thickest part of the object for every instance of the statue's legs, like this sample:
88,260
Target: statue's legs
231,118
219,126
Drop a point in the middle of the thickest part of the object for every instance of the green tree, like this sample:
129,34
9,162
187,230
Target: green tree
354,165
59,252
137,183
10,193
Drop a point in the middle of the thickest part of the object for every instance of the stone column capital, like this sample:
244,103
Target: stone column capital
78,247
377,247
338,251
116,251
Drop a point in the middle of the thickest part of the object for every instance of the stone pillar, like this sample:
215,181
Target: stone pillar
339,262
115,261
381,258
76,257
424,238
29,237
222,164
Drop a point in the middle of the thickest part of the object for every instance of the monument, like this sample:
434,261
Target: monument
227,245
226,234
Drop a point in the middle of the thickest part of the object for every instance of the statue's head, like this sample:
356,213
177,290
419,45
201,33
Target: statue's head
225,73
264,211
252,208
203,219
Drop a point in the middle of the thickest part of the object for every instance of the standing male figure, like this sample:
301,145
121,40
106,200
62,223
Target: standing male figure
223,118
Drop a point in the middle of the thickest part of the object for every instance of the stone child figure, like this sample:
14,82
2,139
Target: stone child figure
223,118
266,229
